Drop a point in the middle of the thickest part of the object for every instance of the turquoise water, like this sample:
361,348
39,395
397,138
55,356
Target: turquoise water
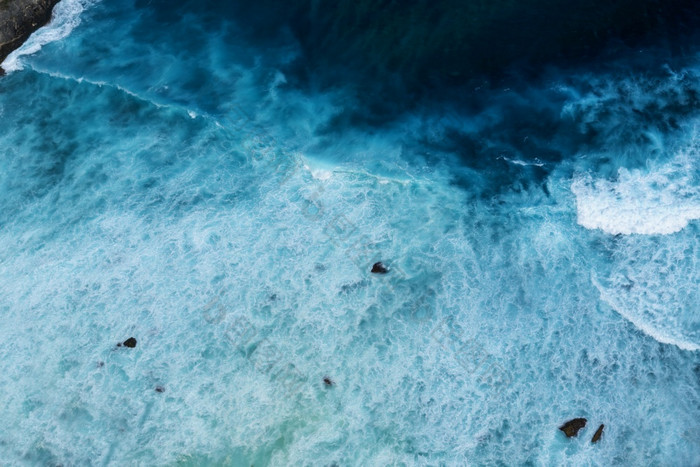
161,178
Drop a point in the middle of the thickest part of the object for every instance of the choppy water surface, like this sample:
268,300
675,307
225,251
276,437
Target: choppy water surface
160,177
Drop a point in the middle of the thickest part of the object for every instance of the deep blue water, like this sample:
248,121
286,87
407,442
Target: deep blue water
161,178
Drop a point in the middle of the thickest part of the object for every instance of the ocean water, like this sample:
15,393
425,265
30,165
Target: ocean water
162,177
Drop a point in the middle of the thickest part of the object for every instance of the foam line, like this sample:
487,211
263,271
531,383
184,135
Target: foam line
645,327
65,18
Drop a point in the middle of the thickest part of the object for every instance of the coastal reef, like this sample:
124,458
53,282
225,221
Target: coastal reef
19,19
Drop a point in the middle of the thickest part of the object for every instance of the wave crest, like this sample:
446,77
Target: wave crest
656,200
65,18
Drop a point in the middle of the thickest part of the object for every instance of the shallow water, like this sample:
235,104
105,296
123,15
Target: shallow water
162,179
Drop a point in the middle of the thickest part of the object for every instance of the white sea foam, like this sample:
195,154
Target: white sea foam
658,200
246,282
65,18
652,283
536,163
648,314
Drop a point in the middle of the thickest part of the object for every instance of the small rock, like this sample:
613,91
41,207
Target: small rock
571,427
160,389
327,381
130,342
598,434
379,268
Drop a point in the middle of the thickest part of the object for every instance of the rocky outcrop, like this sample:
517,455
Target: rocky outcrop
130,342
19,19
572,427
598,434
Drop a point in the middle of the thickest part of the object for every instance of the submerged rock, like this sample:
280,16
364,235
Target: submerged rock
379,268
130,342
19,19
572,427
598,434
348,288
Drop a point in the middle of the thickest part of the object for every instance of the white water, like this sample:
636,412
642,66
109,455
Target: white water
65,18
660,199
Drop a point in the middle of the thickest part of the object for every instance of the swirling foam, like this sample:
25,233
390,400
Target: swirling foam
653,285
660,200
178,231
65,18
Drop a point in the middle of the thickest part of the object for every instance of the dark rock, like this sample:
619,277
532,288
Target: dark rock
379,268
160,389
571,427
19,19
327,381
130,342
598,434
